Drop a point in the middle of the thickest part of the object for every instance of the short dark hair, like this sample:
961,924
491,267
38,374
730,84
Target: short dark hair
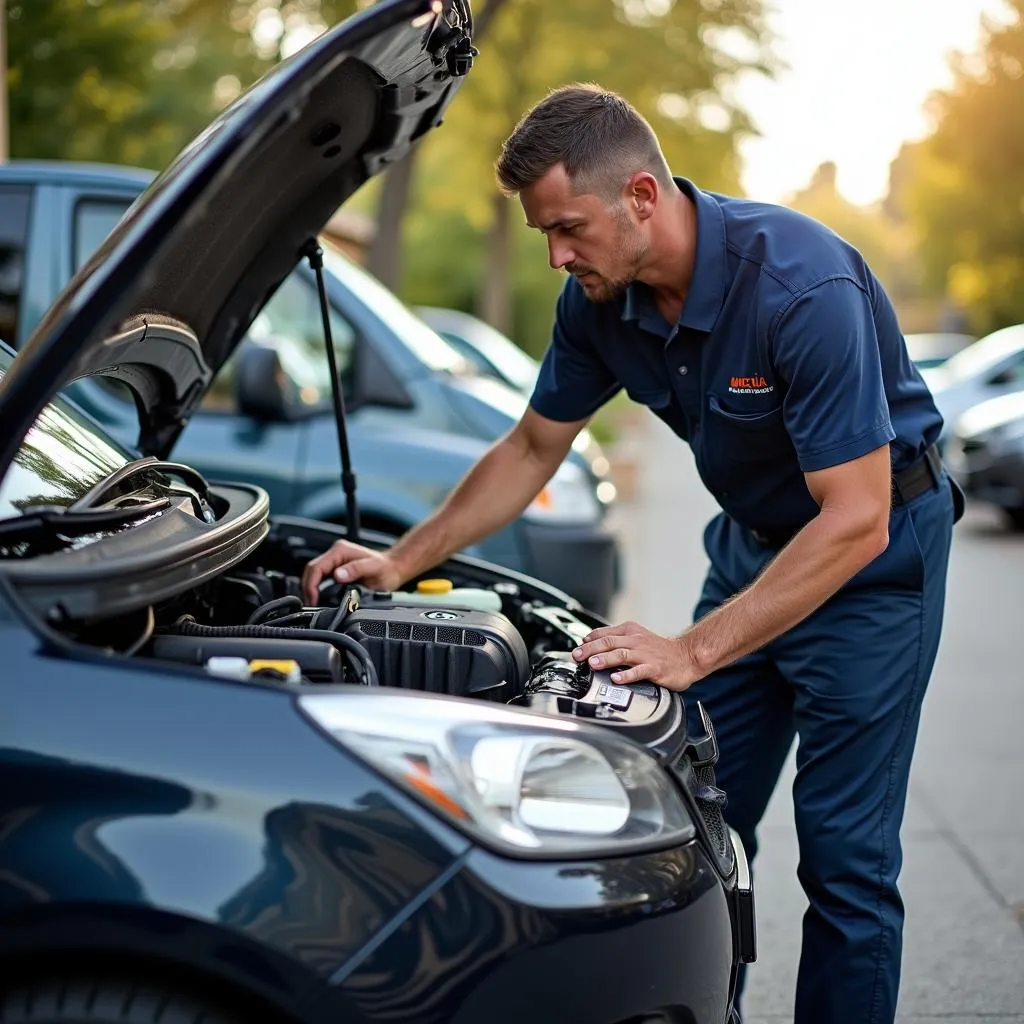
596,135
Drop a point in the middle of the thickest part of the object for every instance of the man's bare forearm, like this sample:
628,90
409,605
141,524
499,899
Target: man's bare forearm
820,559
497,490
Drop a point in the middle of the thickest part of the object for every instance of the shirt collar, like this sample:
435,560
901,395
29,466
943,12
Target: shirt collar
708,285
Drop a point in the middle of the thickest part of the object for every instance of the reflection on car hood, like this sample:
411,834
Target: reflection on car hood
172,290
991,414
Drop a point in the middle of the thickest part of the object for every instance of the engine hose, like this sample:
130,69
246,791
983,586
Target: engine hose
261,613
187,626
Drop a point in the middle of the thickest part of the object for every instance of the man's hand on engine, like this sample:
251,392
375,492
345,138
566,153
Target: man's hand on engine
638,654
349,562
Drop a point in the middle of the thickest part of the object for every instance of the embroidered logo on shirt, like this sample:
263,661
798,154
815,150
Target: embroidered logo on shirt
755,385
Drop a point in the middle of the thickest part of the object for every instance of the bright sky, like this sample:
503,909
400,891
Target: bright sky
859,74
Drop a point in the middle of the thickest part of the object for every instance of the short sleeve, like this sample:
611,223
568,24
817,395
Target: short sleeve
574,381
826,350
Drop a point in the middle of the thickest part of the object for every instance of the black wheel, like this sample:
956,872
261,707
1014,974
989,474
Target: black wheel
85,1000
1015,517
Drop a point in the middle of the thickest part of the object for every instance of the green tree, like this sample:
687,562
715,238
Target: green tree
132,81
962,186
79,75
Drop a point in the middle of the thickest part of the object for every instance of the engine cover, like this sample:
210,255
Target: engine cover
455,651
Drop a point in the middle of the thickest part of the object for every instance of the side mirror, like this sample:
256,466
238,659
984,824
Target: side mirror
263,389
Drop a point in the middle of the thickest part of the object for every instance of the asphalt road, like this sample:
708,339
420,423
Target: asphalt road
963,834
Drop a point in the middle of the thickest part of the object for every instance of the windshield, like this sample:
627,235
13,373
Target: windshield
62,457
982,355
428,346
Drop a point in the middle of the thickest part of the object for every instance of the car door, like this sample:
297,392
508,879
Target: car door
15,209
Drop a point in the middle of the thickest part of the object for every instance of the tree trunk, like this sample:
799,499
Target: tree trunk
495,295
384,259
494,302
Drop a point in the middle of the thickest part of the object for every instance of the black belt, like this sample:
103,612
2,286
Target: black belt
923,475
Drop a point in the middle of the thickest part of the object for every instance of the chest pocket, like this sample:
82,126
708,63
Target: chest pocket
745,436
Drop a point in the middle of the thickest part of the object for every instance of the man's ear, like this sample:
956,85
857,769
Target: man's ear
642,194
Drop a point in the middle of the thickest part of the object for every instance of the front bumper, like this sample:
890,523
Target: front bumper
604,942
986,476
582,561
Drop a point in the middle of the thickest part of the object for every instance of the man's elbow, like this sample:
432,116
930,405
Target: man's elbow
870,533
863,532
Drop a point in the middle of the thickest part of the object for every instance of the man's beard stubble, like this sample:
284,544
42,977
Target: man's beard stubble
631,250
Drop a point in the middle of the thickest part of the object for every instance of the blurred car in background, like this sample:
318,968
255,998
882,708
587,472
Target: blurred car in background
484,346
931,350
494,355
988,368
985,453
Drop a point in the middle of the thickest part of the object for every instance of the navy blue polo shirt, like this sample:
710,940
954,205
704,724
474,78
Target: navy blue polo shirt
787,358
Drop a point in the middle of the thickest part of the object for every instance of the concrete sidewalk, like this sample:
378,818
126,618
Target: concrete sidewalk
963,835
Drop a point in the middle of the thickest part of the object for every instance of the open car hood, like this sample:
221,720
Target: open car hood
168,295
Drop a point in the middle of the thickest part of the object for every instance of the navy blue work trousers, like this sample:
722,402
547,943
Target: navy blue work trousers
849,682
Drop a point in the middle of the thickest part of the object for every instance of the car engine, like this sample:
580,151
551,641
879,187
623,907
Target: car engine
467,632
254,625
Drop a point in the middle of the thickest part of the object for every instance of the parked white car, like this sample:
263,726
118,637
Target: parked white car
990,367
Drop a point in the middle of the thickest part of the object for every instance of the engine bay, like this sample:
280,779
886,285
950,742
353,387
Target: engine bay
466,630
487,642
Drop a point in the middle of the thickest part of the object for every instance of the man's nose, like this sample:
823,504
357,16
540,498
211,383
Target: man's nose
559,255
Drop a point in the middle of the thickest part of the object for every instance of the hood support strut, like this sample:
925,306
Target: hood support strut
315,255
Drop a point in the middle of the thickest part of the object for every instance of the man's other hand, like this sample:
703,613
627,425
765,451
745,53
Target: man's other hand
347,563
639,654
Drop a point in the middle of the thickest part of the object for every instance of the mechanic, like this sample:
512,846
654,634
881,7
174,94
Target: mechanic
764,341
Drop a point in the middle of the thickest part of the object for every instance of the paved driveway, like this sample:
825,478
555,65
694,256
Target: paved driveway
963,876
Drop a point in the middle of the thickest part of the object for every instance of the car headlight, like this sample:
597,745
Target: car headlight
513,780
567,498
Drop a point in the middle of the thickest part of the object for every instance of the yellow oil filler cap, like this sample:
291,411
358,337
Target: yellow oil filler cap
434,587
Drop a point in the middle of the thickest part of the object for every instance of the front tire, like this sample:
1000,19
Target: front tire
89,1000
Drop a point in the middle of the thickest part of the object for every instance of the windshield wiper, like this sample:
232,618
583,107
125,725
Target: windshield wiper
55,521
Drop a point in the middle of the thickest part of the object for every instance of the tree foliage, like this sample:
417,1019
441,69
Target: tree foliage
962,187
132,81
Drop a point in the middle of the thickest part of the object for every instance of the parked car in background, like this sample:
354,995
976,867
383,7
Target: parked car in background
224,805
420,414
988,368
490,351
931,350
985,452
498,357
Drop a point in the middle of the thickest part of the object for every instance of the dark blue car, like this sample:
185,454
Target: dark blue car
222,805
